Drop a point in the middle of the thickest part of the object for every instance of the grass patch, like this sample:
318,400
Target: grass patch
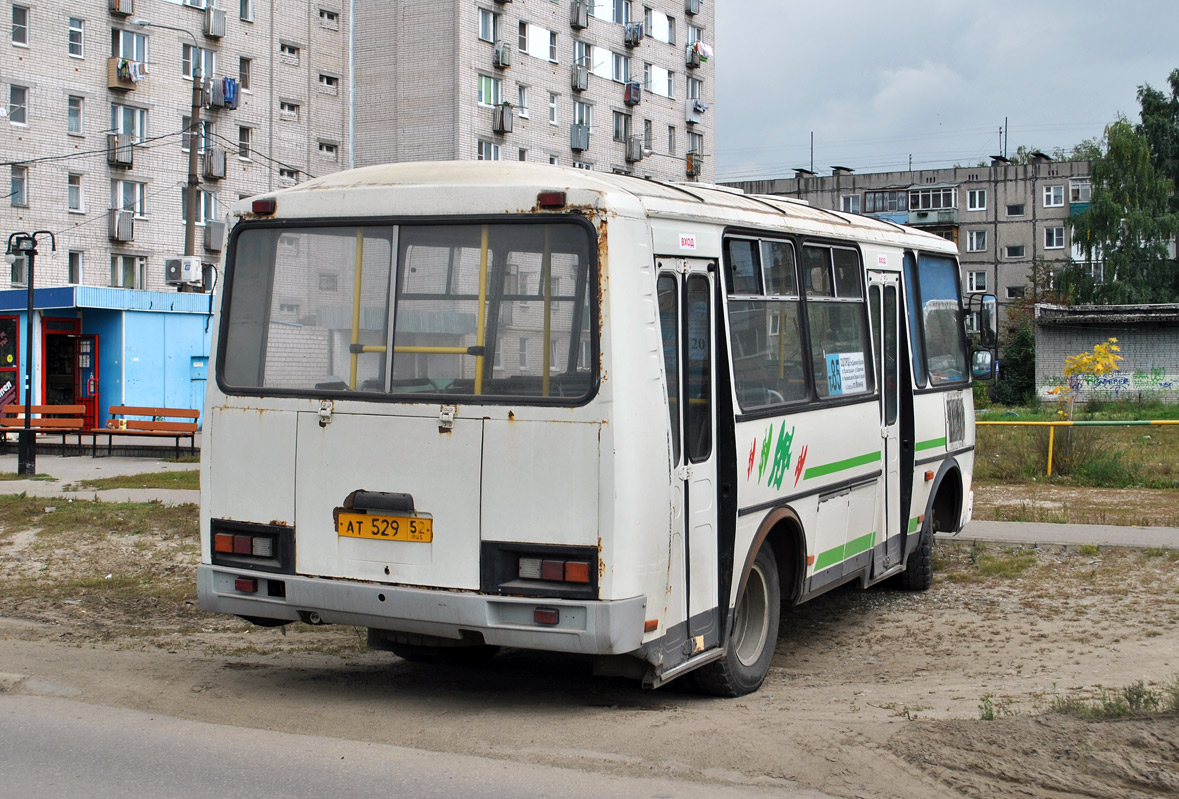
981,563
89,520
14,476
1134,700
188,479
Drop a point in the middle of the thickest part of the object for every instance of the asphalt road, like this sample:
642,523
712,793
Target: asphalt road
65,749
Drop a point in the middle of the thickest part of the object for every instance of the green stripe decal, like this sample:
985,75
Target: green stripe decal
844,551
913,523
933,443
839,466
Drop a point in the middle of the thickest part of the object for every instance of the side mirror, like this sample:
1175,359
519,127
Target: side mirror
982,365
985,310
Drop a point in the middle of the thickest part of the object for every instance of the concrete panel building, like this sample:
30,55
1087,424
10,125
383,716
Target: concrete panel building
1004,217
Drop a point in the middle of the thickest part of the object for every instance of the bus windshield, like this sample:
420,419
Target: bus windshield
941,316
487,310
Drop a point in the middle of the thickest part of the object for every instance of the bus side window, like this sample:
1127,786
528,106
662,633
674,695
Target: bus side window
669,326
742,266
698,376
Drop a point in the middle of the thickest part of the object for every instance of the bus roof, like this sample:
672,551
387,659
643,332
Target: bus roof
465,187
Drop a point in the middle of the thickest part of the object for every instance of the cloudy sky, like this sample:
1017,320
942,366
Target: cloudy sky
881,82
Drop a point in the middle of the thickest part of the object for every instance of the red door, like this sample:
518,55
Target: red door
86,377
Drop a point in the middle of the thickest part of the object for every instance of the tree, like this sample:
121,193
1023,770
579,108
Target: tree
1160,126
1125,231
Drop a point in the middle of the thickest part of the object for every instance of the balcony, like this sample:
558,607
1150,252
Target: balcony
124,75
933,216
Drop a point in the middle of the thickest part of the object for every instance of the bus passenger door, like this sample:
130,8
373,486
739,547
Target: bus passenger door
883,303
686,298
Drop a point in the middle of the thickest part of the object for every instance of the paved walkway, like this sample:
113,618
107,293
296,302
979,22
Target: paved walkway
70,471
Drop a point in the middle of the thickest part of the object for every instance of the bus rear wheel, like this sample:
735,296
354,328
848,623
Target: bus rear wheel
754,634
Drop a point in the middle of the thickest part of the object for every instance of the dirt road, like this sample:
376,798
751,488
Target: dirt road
872,694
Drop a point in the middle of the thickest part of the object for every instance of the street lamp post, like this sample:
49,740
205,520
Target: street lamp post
192,191
25,244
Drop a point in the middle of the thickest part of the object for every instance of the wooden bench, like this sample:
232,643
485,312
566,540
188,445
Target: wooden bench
159,423
50,419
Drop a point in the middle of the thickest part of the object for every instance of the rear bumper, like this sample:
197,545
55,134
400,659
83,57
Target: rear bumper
585,626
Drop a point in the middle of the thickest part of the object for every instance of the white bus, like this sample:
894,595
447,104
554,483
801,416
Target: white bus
474,405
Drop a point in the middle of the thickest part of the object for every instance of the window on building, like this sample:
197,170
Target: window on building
1079,190
552,47
583,54
850,203
329,151
77,38
204,134
20,25
74,262
74,119
648,134
128,271
129,119
620,70
523,359
671,85
243,72
288,176
671,139
621,126
18,104
694,34
933,199
75,200
19,196
696,143
487,151
329,19
329,84
671,30
554,160
129,45
1015,292
622,11
489,90
552,109
1013,251
521,154
583,165
976,241
522,37
488,25
245,138
288,53
288,111
207,61
583,114
1054,196
522,101
206,205
695,89
1054,238
883,201
976,200
129,195
1016,209
976,281
245,10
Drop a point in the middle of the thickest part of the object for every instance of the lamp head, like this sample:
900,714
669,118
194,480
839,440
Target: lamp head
140,21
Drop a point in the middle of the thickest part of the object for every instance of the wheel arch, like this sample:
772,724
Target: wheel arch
782,529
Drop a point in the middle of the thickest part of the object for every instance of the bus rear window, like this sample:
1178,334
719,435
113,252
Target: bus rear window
481,310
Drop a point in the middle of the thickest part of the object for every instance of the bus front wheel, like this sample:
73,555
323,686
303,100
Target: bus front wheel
754,634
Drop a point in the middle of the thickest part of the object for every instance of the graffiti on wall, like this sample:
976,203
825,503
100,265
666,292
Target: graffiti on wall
1117,384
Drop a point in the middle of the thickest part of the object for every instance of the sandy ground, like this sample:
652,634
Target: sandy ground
872,693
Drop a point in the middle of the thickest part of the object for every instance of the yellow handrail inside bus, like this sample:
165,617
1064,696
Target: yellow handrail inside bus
482,314
546,267
355,356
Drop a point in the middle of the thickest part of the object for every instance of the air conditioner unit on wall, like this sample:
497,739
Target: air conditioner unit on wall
633,34
501,118
122,6
214,159
214,235
579,14
503,55
580,77
579,137
183,270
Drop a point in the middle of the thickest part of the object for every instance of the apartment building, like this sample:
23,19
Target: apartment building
1004,217
98,105
613,85
98,108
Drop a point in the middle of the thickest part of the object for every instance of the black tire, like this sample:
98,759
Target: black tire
475,655
754,635
918,573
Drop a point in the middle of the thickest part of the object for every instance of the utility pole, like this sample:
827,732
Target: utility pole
26,246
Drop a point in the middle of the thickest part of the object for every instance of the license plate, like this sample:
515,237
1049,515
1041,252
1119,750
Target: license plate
385,528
